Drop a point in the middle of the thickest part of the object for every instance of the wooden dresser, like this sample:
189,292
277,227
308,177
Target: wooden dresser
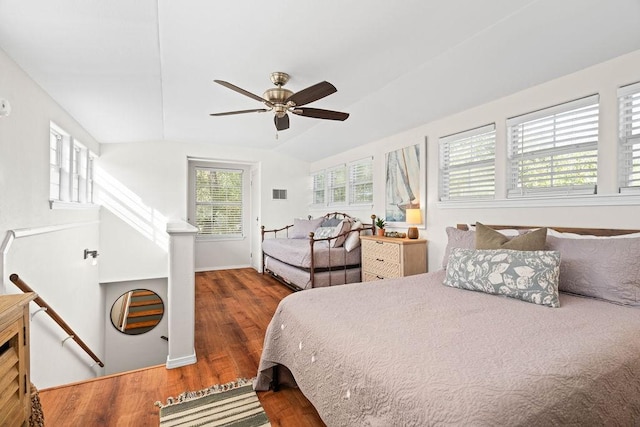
390,257
15,387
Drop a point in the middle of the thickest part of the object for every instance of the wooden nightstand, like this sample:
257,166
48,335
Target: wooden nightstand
390,257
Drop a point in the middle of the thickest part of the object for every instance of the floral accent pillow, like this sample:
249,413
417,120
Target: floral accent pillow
328,232
530,276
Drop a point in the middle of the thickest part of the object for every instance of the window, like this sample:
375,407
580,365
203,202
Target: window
70,169
337,185
55,164
555,150
219,202
467,164
629,137
361,182
341,185
319,188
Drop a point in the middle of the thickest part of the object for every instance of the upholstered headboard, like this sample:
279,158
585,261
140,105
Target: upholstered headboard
589,231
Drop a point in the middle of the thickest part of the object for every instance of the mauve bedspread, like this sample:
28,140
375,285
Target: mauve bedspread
415,352
297,252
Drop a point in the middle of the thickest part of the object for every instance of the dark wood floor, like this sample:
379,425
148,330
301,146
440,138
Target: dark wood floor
233,309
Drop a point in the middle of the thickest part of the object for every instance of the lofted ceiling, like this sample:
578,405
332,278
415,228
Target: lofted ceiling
143,70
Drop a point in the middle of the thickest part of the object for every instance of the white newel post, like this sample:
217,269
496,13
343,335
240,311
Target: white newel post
181,294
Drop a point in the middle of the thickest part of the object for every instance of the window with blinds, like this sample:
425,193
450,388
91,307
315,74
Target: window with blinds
337,185
554,151
629,138
219,202
319,188
361,182
55,163
467,164
70,168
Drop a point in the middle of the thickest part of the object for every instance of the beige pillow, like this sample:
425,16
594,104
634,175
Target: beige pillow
488,238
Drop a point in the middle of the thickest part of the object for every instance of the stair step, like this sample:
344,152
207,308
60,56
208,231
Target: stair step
141,303
142,313
138,325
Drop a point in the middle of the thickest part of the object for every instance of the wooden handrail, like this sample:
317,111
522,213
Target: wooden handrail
56,317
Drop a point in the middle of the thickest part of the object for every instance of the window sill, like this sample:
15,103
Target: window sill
528,202
57,204
209,239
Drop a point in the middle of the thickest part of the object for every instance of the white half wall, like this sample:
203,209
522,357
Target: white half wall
603,78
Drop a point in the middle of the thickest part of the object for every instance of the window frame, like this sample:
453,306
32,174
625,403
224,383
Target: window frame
321,183
242,203
469,140
590,107
332,186
74,169
355,180
629,138
319,186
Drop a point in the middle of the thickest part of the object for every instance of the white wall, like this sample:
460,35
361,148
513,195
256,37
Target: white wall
603,79
51,263
133,238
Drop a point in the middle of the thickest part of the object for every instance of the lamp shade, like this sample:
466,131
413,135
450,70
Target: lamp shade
413,216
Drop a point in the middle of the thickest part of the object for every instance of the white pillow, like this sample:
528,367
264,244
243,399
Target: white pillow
302,227
353,239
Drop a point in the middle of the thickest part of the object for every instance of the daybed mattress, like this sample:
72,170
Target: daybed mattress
302,278
297,252
415,352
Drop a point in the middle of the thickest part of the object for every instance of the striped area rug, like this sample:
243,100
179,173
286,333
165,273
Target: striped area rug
233,404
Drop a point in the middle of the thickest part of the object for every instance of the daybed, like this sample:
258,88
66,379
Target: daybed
316,252
413,351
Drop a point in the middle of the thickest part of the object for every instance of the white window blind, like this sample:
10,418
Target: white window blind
70,168
55,161
319,188
554,151
361,182
337,185
467,164
75,173
219,202
629,137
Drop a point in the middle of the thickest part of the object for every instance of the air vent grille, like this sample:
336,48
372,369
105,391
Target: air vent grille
279,194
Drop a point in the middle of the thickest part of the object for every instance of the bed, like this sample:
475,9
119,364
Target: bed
412,351
316,252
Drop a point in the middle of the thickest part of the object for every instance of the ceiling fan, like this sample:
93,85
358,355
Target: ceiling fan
282,101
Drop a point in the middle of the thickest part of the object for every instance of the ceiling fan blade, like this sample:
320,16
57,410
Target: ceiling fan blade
312,93
317,113
229,113
242,91
282,123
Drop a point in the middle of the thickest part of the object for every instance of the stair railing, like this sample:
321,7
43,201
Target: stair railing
56,318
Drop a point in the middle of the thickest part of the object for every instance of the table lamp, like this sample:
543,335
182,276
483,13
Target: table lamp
413,217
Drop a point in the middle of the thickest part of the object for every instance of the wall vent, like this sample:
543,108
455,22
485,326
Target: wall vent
279,194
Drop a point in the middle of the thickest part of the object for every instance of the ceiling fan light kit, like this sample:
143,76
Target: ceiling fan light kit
282,101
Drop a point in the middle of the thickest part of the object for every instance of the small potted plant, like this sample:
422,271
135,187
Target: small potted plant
380,223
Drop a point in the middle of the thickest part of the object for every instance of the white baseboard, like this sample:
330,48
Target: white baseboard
226,267
181,361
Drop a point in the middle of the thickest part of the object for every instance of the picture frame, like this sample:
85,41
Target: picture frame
405,183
